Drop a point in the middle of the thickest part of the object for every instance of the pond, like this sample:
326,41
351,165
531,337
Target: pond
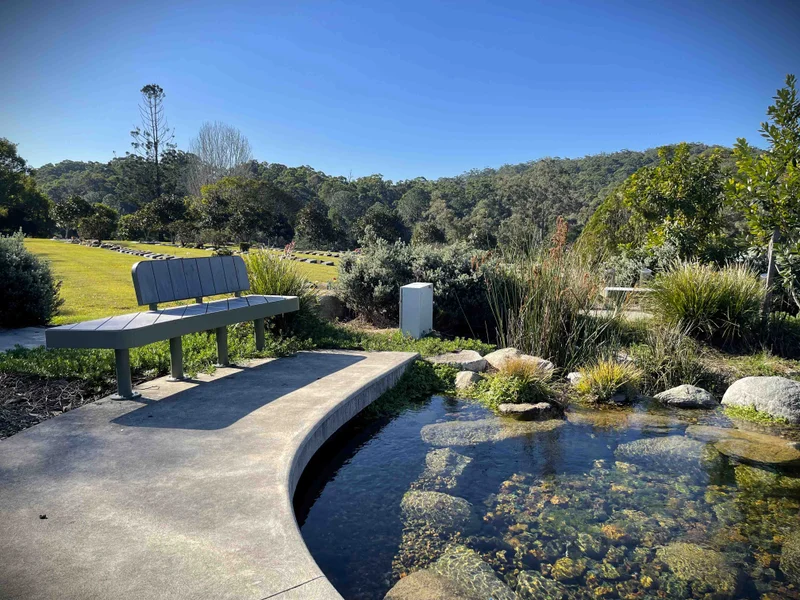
635,503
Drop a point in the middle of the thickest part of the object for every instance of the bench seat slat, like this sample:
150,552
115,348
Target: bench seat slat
163,280
144,283
144,319
171,314
179,289
253,300
231,281
206,278
218,274
116,323
192,276
241,275
90,325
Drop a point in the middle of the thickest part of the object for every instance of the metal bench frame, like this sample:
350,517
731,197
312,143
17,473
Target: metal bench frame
173,280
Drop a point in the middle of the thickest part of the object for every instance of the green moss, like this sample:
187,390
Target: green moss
749,413
420,381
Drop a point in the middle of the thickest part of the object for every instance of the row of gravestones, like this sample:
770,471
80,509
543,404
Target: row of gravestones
313,261
133,252
322,253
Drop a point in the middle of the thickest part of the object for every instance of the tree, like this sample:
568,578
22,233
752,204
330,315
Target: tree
384,221
313,228
154,137
22,205
100,224
220,151
412,205
70,211
767,185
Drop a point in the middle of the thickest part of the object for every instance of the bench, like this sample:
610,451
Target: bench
156,282
623,291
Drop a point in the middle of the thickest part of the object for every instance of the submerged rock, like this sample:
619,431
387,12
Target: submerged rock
707,571
776,396
672,453
766,482
441,512
687,396
467,433
624,419
790,558
748,446
428,585
567,569
466,360
534,586
465,566
442,469
466,379
528,412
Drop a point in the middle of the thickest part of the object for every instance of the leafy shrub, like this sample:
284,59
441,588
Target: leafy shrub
716,305
542,304
370,283
518,388
605,378
783,335
29,296
668,357
222,251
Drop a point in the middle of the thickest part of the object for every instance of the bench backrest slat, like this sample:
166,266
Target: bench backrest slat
157,281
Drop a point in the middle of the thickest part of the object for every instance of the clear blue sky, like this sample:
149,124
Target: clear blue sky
402,88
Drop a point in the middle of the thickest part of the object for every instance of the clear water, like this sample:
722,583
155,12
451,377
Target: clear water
564,509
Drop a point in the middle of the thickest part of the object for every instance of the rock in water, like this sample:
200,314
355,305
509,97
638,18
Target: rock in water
498,357
748,446
468,433
766,482
466,360
776,396
442,469
428,585
466,379
465,566
687,396
790,558
441,512
672,454
528,412
707,571
534,586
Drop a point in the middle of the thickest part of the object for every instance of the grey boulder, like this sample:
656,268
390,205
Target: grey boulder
687,396
776,396
466,360
466,379
528,412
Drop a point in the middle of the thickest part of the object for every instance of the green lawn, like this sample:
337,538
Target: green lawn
97,282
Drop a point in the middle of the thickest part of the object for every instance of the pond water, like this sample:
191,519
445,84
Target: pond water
604,504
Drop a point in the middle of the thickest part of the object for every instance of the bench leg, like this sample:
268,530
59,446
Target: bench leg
176,359
222,346
125,391
259,324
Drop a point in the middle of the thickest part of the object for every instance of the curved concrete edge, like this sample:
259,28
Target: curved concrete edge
186,493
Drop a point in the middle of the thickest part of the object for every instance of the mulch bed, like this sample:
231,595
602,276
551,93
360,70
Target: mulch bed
26,400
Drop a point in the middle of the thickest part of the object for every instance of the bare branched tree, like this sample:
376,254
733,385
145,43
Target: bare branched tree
154,137
220,151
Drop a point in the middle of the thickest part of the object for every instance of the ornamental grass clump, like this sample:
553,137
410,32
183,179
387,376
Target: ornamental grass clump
606,379
721,306
517,382
270,275
669,357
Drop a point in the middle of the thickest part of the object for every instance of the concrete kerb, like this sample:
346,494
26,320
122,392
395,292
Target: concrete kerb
206,468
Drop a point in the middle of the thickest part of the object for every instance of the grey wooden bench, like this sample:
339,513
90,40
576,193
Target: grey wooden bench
157,282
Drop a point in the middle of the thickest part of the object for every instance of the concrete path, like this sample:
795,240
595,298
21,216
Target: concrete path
27,337
185,494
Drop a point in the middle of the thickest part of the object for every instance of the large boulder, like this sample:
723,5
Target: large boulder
466,379
478,579
749,446
498,357
707,571
529,412
466,360
443,467
468,433
687,396
674,453
428,585
777,396
441,512
331,307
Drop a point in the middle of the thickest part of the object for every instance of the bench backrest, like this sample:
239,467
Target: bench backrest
157,281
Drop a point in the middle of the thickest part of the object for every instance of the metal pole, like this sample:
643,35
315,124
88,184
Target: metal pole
176,359
259,324
222,346
122,358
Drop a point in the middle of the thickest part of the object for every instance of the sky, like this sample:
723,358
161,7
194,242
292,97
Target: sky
405,89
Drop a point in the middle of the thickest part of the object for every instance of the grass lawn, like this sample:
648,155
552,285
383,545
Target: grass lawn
97,282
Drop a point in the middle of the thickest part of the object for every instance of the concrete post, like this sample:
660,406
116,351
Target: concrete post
222,346
259,325
176,359
122,358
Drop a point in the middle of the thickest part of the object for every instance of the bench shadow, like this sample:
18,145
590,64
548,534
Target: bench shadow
210,405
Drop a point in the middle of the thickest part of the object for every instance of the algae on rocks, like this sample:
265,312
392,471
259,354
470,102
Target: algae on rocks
468,433
707,571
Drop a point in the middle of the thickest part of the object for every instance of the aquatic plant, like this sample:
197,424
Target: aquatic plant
607,378
749,413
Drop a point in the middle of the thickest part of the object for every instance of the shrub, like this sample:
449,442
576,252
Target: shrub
369,284
29,296
668,357
606,378
518,388
716,305
542,304
783,335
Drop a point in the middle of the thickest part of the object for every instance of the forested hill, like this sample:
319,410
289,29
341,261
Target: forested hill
483,205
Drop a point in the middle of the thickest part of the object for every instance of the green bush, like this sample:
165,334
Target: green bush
783,335
721,306
668,357
605,378
369,283
517,382
29,295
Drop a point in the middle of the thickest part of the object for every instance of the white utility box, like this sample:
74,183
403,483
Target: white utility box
416,309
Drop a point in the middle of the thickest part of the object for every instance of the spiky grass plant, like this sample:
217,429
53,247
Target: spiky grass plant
605,378
668,357
270,275
721,306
